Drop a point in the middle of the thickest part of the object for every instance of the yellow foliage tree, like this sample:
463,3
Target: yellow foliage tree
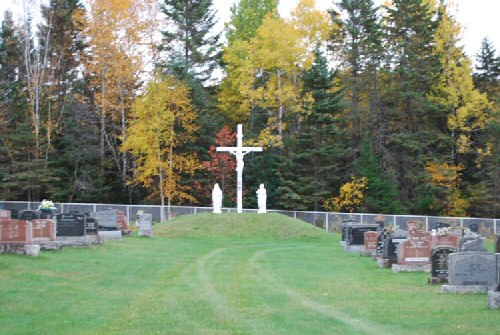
264,72
465,106
163,119
352,195
446,179
117,33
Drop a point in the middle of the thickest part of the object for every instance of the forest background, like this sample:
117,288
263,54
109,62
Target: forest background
359,108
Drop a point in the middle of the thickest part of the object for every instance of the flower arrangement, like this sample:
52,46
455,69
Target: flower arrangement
46,205
442,231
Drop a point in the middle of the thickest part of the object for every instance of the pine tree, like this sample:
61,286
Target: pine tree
317,154
487,70
192,46
414,128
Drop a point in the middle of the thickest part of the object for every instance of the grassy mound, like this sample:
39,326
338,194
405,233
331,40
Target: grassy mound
245,225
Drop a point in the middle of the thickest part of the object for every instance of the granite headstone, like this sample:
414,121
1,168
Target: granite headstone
107,220
146,225
70,224
472,268
28,215
16,231
44,229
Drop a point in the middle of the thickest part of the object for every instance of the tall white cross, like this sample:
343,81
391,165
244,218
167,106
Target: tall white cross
239,151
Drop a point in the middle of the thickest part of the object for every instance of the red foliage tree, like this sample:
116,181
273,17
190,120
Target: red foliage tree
222,165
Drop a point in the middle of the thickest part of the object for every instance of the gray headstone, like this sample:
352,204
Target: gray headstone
498,271
399,233
472,268
146,225
107,220
474,245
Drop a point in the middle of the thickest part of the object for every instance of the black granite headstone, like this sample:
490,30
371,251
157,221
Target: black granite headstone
70,224
474,227
356,233
91,226
439,265
28,215
390,247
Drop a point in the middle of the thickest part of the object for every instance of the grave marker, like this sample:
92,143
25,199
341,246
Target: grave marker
4,214
472,268
439,266
107,220
371,242
28,215
44,229
16,231
70,224
415,250
146,225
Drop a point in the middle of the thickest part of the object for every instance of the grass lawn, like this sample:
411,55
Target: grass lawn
227,274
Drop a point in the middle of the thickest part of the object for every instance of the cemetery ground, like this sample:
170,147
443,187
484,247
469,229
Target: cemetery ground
227,274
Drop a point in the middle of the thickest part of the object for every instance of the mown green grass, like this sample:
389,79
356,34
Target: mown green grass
227,274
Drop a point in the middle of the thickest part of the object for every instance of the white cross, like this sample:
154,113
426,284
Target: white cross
239,151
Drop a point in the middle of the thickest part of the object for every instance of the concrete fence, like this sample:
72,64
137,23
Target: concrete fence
329,221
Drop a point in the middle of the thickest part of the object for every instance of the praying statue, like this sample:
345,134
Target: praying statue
261,199
217,198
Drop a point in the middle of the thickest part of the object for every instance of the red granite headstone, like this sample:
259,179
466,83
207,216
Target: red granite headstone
416,250
4,214
44,228
371,241
122,220
445,241
15,231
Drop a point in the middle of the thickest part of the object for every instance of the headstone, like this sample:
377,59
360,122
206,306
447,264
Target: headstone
391,246
44,229
498,271
122,222
70,224
107,220
356,233
28,215
91,227
4,214
439,264
16,231
416,249
446,241
371,242
472,268
146,225
474,227
476,245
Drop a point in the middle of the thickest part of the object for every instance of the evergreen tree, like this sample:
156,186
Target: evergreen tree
414,130
487,70
191,45
381,194
316,158
361,53
246,17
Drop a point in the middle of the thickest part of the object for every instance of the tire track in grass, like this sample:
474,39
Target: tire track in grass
215,298
363,325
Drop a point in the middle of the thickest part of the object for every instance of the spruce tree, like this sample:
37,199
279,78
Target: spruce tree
190,42
317,152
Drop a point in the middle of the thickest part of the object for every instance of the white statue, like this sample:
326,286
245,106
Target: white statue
217,198
261,199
